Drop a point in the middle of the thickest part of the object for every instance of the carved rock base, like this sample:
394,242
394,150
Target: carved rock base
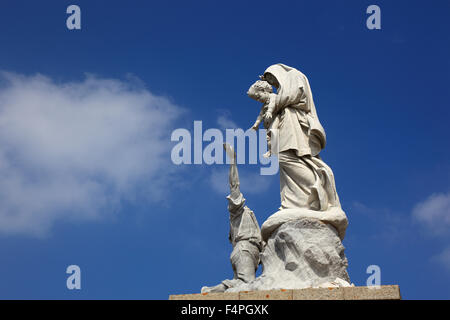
303,253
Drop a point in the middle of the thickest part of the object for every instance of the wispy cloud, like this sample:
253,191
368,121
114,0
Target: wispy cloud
225,122
443,258
394,224
74,151
431,215
434,213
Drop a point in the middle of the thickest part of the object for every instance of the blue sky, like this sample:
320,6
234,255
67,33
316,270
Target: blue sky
86,117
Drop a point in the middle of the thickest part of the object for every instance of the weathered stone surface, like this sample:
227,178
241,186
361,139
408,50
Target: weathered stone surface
319,294
334,216
282,294
372,293
206,296
303,253
391,292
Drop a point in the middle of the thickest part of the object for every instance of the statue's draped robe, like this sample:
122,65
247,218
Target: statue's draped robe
305,180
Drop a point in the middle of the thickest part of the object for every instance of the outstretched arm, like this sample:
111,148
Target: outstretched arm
258,119
271,107
235,191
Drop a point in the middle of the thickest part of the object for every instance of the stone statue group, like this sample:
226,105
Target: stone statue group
299,246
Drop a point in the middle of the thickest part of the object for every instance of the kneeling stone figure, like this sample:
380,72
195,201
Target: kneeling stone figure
245,234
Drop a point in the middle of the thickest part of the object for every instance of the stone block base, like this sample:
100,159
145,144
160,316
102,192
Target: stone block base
340,293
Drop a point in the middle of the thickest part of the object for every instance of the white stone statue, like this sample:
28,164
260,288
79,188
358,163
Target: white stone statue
302,242
307,186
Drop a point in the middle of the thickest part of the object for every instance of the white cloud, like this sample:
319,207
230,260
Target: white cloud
74,151
395,224
434,213
443,258
363,209
225,122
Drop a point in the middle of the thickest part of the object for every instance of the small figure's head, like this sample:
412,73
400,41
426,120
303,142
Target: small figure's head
260,91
